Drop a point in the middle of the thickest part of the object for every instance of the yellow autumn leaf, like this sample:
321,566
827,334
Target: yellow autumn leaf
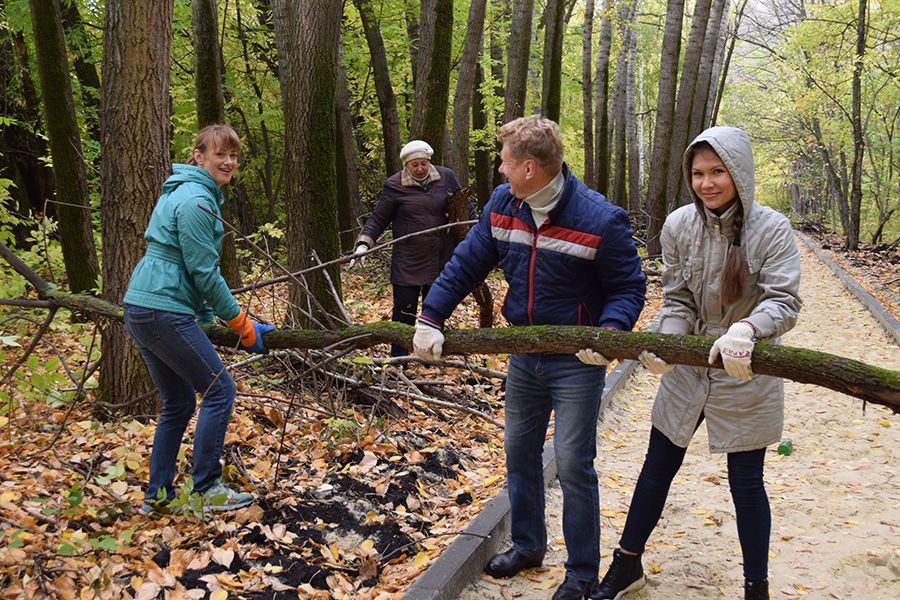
335,551
884,423
547,584
654,568
367,545
421,559
219,595
492,479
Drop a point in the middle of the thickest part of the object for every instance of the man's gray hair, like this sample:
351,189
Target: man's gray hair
534,137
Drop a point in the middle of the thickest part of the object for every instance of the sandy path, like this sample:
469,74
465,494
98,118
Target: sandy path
835,501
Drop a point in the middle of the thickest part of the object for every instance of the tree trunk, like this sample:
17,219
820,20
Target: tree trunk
307,36
665,113
209,98
348,205
134,135
21,148
632,136
723,73
554,30
483,162
458,158
432,90
457,211
619,193
587,91
76,234
517,57
675,192
859,144
85,69
601,122
387,103
705,75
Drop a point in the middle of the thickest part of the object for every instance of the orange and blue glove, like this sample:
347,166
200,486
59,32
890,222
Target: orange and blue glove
251,333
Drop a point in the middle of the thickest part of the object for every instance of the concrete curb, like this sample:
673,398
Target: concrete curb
881,314
464,560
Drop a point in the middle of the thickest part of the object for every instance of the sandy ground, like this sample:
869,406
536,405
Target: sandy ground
835,501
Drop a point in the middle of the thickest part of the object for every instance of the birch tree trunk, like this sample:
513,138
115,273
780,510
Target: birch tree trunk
632,136
708,56
601,121
587,94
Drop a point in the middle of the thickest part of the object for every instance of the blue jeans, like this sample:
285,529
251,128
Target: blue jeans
748,492
535,385
182,363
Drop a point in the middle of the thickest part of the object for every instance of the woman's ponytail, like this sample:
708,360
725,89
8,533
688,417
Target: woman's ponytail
734,275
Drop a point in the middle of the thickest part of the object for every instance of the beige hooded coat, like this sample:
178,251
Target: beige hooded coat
740,415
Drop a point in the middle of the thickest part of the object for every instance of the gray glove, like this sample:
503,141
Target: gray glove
654,364
358,256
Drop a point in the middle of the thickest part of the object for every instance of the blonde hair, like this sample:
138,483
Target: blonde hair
734,273
215,136
534,137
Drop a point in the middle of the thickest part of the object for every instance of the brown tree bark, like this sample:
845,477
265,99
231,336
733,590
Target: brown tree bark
75,230
457,211
432,89
859,143
348,204
307,35
134,135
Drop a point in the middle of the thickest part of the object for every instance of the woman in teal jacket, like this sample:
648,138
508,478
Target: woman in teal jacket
174,286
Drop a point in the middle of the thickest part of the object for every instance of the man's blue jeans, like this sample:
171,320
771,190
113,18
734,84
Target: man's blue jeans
535,385
182,363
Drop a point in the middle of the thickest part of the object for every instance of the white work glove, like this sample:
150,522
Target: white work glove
589,357
654,364
428,341
360,250
736,348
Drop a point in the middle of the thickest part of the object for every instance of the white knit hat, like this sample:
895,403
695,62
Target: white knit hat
415,149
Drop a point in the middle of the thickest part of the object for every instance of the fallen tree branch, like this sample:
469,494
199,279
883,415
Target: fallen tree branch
845,375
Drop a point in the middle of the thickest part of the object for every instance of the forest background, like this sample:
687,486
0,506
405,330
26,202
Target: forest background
98,99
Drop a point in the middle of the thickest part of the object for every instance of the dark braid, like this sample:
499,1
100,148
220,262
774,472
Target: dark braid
734,275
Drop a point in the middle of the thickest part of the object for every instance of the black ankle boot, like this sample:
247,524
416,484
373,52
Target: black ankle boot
756,590
625,575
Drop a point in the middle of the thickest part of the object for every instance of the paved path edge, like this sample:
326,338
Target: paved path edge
881,314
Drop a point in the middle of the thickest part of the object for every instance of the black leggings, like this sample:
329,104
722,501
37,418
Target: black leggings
745,478
406,308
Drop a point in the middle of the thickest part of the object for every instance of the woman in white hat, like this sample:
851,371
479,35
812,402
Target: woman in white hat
413,199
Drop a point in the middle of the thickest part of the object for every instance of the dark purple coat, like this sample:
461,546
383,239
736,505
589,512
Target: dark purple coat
418,260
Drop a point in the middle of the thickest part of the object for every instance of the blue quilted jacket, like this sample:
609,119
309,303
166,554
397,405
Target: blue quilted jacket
580,267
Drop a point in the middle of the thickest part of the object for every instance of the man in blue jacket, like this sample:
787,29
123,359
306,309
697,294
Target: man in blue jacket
569,259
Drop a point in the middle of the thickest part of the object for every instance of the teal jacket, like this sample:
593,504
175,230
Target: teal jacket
179,273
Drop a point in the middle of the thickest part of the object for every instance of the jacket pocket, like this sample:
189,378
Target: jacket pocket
692,273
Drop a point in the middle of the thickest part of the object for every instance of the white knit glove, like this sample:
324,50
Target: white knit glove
736,347
357,258
428,342
589,357
654,364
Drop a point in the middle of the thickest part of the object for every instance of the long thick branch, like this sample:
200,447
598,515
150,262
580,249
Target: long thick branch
845,375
